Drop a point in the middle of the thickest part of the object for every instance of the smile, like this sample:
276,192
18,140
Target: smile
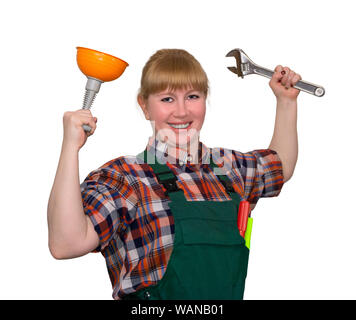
180,126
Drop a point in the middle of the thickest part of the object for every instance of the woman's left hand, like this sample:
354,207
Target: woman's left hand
282,83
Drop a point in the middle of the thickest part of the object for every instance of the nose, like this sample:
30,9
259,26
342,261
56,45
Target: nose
181,109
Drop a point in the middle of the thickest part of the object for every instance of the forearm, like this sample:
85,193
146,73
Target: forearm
285,136
67,223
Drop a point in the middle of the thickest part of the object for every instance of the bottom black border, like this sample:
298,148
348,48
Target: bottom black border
193,309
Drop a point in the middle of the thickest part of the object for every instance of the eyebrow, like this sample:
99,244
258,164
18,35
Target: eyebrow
172,93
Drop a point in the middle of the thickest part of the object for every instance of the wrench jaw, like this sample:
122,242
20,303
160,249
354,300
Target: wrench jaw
244,65
237,55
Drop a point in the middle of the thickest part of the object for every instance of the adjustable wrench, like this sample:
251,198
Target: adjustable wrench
245,66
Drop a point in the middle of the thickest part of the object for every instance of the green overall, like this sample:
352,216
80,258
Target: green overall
209,258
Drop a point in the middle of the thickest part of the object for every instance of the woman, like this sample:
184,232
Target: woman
176,194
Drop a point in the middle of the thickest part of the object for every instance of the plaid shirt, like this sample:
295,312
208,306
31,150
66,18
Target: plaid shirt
131,215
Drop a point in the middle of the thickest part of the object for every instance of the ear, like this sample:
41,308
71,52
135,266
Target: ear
143,104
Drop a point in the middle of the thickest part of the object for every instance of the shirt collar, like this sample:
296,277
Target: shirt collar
158,148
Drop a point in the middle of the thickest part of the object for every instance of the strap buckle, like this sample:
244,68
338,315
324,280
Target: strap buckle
169,184
227,185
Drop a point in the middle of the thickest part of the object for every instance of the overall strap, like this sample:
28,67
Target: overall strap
164,175
226,182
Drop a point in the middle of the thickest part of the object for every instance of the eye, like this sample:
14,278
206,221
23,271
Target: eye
167,99
193,96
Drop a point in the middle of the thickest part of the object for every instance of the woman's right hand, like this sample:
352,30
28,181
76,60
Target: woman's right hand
73,133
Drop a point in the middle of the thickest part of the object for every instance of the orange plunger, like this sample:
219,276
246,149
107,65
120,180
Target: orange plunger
99,67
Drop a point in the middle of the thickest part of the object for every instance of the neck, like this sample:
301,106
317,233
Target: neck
179,151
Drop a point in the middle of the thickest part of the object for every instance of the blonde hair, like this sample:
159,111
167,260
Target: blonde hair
172,69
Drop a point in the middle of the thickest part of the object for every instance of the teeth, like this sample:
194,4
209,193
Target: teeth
180,126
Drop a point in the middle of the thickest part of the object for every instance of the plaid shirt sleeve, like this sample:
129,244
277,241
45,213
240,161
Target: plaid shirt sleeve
261,172
108,201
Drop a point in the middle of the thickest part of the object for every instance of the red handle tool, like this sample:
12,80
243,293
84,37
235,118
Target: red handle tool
244,210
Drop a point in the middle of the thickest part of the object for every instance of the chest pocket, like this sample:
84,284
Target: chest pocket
211,232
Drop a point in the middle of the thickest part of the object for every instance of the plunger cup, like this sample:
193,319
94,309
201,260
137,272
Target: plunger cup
99,67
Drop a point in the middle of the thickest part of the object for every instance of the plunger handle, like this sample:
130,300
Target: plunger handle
86,128
91,89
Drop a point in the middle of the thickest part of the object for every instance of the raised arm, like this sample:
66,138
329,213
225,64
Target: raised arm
285,137
70,231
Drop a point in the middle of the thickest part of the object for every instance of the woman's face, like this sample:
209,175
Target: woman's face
177,116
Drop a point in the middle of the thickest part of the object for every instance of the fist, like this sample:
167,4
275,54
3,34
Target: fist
282,83
73,133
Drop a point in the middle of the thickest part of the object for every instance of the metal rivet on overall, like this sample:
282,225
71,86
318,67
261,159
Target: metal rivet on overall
147,295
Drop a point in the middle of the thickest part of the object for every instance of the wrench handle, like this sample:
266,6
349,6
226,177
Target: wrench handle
301,84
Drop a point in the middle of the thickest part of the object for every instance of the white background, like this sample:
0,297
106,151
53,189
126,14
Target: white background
303,242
